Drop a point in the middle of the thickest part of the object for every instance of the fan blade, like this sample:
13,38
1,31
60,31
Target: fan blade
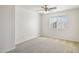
45,6
52,8
40,10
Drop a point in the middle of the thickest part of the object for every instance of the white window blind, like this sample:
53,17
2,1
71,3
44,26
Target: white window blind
58,22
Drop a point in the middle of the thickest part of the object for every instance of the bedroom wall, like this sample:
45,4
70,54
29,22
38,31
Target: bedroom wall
7,28
27,25
71,32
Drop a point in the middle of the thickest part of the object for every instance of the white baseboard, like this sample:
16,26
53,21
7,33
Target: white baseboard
75,40
25,40
8,50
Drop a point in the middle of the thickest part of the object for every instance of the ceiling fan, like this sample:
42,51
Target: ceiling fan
46,9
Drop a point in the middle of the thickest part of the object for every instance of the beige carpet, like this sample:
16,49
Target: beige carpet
46,45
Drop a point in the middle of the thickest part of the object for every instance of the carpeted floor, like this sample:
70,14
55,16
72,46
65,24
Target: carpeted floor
46,45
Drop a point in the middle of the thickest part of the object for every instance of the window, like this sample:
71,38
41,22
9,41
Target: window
58,22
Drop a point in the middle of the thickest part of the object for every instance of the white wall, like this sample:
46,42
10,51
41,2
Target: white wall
27,25
7,28
69,33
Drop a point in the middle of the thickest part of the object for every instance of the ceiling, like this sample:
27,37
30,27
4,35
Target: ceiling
59,7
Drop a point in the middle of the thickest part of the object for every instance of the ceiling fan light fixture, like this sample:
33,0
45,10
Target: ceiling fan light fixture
45,9
46,12
43,12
